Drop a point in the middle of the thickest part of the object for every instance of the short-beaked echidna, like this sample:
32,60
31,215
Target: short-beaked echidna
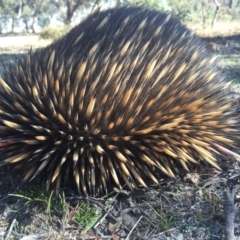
126,93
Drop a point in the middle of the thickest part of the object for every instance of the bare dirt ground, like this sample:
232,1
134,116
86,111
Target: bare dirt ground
188,208
15,42
12,47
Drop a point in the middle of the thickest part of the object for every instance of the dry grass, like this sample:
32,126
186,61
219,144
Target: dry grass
219,29
16,43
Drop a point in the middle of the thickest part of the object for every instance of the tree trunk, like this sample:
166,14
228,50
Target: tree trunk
71,10
117,4
33,22
12,25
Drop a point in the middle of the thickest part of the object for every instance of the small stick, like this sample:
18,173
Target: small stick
134,227
227,152
229,211
10,229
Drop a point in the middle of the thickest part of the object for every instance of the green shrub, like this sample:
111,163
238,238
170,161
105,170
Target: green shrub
54,32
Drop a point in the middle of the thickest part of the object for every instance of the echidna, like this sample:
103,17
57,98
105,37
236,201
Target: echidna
126,93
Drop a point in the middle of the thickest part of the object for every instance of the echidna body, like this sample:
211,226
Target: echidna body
126,94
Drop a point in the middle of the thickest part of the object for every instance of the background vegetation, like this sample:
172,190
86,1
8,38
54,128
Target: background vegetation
30,15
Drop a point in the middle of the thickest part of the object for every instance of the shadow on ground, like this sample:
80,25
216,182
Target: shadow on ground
7,58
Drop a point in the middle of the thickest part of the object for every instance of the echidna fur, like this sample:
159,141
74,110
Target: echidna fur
125,95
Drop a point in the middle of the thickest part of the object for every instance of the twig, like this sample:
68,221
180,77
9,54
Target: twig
229,211
95,202
102,219
161,233
227,152
10,229
134,227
